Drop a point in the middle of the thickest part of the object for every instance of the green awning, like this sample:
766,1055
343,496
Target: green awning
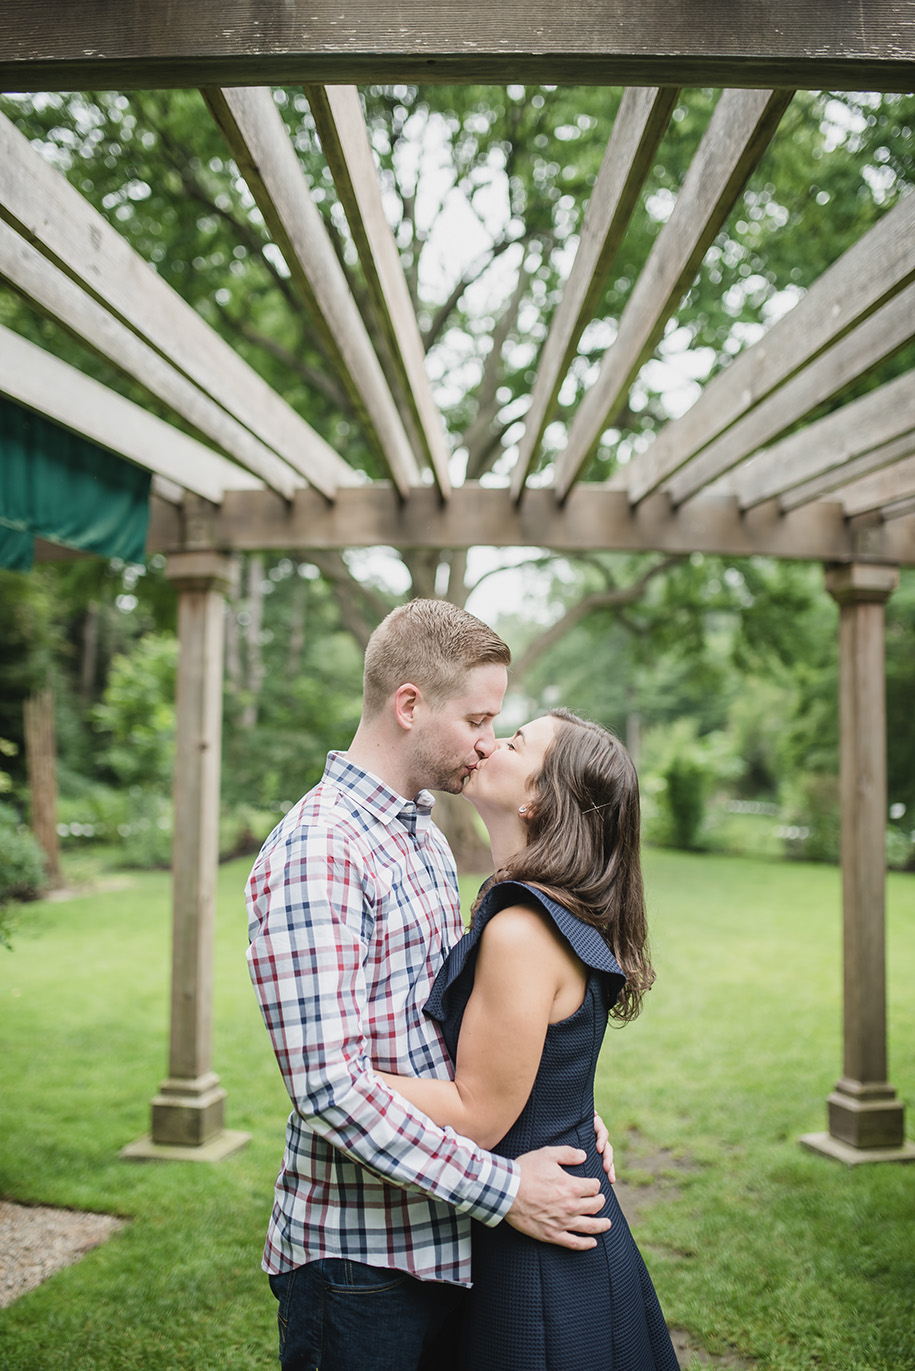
58,486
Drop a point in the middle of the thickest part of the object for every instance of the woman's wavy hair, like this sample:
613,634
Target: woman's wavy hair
583,845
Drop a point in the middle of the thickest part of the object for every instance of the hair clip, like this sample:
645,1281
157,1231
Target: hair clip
593,808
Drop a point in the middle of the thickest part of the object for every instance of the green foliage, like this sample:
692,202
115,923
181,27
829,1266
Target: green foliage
22,864
513,167
679,772
811,808
685,783
147,837
7,749
900,848
308,700
137,713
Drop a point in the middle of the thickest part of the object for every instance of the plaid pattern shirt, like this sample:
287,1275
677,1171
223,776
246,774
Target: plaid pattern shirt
353,905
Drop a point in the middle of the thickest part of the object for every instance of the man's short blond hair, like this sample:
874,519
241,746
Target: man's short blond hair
431,644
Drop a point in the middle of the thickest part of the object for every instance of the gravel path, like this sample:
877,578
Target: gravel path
36,1241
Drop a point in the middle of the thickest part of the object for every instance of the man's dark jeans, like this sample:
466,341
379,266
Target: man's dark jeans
338,1315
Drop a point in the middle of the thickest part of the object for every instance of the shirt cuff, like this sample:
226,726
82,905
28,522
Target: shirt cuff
498,1196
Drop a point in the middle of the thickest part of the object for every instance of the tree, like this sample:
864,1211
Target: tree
512,168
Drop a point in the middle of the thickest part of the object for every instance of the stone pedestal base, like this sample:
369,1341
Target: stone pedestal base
218,1148
187,1113
866,1124
829,1146
866,1115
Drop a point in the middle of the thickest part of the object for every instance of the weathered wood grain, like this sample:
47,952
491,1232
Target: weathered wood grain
638,129
828,445
61,299
476,515
347,151
254,130
737,135
877,338
869,273
48,212
104,44
32,377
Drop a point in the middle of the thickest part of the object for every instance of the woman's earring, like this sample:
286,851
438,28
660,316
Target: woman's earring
523,809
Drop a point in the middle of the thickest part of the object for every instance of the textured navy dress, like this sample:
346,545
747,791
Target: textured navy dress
535,1306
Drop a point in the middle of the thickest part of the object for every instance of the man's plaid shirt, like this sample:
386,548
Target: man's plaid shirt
353,905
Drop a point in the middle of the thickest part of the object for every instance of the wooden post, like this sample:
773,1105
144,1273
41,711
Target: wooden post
41,759
866,1121
188,1111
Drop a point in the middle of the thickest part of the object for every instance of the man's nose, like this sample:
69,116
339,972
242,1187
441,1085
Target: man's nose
486,743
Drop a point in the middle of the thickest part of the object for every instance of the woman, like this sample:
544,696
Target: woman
558,944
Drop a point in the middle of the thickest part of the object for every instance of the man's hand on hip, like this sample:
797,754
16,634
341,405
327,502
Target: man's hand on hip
554,1206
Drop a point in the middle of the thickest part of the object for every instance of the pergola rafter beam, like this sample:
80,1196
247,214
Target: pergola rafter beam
899,509
345,143
738,134
61,299
32,377
863,278
257,138
640,123
872,342
829,444
835,477
49,213
819,44
870,494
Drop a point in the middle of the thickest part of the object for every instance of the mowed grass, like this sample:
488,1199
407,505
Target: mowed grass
792,1259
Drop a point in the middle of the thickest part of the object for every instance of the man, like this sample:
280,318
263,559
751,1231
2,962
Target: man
353,904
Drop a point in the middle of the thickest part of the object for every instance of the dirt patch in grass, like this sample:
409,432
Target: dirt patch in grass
652,1179
36,1241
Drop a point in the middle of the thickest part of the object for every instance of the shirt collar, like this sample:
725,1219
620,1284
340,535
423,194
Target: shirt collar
371,793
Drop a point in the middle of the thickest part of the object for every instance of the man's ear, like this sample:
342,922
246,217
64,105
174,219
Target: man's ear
407,700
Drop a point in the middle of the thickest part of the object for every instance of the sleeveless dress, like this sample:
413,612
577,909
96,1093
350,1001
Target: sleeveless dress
535,1306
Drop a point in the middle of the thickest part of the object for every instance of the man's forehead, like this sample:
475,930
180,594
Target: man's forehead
483,690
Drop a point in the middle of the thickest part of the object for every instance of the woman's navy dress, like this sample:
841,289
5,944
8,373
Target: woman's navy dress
535,1306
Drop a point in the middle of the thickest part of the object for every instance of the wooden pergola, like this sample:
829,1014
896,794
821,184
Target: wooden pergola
746,470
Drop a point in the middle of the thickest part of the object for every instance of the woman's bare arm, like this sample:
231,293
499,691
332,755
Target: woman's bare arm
525,974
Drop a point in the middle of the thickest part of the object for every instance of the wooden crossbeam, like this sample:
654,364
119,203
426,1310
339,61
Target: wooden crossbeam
737,135
821,44
642,117
61,299
872,342
863,278
591,518
254,130
36,379
829,444
870,494
347,151
44,208
874,460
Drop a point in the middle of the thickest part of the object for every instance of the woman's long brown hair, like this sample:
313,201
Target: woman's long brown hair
583,845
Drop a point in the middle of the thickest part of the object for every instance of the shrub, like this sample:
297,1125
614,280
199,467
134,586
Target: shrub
679,773
900,848
811,811
22,863
686,782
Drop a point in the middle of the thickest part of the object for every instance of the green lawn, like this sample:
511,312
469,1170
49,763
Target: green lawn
792,1259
